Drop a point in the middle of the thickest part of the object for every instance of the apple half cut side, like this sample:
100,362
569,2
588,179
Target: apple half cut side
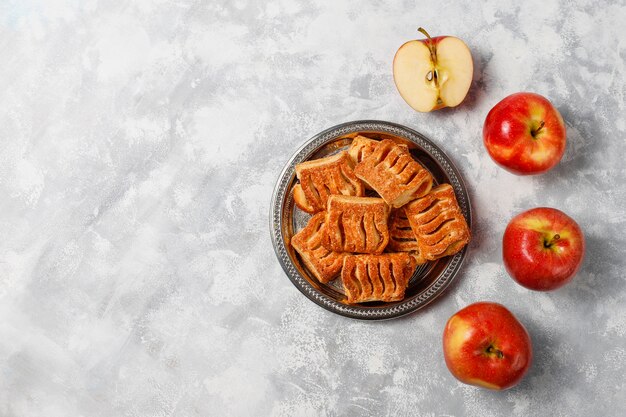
433,73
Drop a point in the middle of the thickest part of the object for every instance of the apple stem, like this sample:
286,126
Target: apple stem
421,29
552,241
492,350
535,131
433,55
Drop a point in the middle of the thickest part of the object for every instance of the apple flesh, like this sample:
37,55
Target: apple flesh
543,248
433,73
525,134
485,345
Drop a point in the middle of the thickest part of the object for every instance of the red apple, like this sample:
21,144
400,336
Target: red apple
485,345
433,73
525,134
543,248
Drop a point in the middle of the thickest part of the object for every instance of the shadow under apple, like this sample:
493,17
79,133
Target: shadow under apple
545,377
584,141
595,279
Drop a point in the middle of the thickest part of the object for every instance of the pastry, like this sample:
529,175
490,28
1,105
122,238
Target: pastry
392,172
322,263
438,223
323,177
356,224
376,277
401,236
362,147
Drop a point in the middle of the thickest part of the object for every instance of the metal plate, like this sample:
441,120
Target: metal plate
428,281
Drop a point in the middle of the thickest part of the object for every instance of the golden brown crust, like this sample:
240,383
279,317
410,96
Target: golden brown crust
401,236
376,277
322,263
300,199
417,257
438,223
356,224
323,177
360,148
393,173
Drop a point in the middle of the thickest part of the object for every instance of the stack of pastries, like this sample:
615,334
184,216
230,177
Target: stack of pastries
374,243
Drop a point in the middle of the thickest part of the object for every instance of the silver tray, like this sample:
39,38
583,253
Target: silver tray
428,281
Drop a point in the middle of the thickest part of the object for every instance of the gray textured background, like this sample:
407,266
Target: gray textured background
140,144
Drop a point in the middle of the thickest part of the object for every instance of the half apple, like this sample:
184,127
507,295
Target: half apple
433,73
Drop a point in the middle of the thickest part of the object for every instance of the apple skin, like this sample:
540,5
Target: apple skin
533,258
486,346
430,42
525,134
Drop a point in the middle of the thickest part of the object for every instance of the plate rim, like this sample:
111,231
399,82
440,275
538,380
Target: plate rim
302,153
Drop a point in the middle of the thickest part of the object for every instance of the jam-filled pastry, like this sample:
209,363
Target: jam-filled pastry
362,147
356,224
324,264
438,223
392,172
376,277
323,177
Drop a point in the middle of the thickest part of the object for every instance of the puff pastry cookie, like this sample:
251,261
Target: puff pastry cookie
438,223
323,177
401,236
356,224
324,264
376,277
393,173
362,147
